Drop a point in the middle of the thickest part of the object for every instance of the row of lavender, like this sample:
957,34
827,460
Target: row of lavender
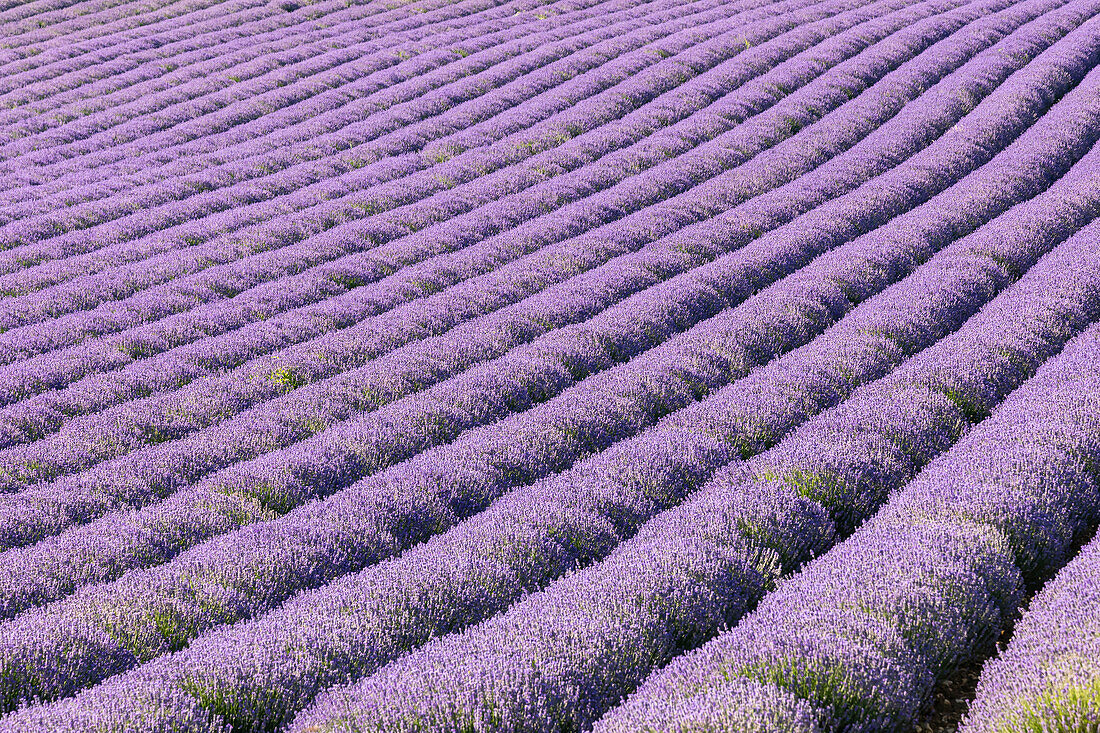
498,387
1049,677
241,675
336,457
542,309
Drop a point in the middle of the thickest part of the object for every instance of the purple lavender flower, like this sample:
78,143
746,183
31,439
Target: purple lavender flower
579,515
931,580
1047,677
544,365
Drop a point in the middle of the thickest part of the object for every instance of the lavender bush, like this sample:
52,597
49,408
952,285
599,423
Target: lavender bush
545,365
864,632
1048,678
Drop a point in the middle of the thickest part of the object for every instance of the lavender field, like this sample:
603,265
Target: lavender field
550,366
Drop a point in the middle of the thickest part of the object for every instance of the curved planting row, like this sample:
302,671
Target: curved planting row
862,634
633,395
351,627
245,339
835,176
531,366
1048,677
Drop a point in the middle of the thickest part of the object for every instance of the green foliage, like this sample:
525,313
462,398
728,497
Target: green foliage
828,685
152,435
821,486
174,632
427,287
348,282
1073,706
288,379
136,349
225,290
973,410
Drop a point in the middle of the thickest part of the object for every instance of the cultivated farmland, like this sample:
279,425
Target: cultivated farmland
549,366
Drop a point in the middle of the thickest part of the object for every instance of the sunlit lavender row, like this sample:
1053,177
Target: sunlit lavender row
549,366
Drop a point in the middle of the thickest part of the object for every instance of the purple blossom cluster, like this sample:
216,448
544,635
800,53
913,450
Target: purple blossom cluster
790,382
752,522
547,365
1047,678
152,472
862,634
